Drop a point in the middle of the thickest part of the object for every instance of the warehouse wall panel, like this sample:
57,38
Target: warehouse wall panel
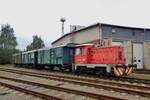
147,55
86,35
63,41
123,33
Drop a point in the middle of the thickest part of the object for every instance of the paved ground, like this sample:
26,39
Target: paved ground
140,76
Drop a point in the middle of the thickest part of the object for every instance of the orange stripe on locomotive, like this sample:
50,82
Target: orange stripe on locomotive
116,72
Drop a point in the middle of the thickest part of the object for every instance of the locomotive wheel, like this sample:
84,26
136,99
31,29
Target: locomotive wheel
81,69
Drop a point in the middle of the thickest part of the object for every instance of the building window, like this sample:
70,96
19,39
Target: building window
113,31
133,33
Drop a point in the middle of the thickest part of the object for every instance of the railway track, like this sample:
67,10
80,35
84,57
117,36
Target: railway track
12,94
28,91
31,91
109,78
143,90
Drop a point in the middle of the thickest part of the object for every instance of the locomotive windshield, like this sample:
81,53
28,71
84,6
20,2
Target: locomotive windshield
78,51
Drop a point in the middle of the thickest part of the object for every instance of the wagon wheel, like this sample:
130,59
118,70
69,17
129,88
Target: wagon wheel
51,68
61,68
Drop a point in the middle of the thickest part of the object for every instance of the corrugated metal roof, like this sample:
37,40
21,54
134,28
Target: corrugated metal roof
99,24
75,32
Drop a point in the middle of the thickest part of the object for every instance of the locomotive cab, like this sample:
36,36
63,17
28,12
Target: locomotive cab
82,57
82,54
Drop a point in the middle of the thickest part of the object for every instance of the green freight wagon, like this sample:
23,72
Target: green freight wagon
62,57
17,59
43,57
29,58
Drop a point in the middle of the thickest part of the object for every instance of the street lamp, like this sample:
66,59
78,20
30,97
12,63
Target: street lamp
63,19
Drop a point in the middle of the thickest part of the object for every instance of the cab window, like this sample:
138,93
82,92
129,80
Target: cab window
79,51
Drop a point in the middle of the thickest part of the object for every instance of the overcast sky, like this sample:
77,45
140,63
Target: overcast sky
42,17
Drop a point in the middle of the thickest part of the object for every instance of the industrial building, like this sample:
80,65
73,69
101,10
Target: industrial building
136,41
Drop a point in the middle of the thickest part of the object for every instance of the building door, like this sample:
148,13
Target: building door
138,55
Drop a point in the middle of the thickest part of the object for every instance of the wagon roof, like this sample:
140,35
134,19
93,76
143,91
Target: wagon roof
66,45
29,51
16,54
43,49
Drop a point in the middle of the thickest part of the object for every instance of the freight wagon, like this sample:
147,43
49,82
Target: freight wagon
83,58
43,57
17,59
29,58
61,57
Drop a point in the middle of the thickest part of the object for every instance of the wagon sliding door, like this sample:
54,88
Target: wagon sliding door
52,56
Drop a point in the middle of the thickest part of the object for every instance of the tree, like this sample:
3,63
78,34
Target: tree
6,55
7,37
8,44
37,43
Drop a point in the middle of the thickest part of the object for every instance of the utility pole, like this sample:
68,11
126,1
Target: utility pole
63,19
